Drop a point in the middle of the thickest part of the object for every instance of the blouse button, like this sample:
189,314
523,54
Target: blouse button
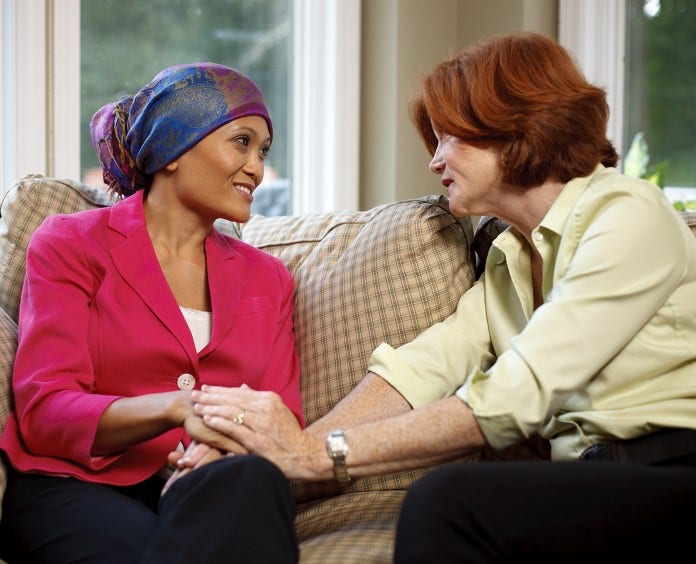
538,236
186,382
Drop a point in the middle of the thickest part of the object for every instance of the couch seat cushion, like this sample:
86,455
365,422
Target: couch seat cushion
349,528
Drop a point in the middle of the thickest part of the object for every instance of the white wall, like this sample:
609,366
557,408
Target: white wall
403,39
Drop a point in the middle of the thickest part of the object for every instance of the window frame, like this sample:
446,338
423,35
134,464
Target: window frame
595,32
45,35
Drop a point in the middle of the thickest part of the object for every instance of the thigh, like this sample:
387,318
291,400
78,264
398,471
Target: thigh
56,520
548,510
238,509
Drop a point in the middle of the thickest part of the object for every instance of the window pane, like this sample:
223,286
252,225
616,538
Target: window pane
661,84
124,43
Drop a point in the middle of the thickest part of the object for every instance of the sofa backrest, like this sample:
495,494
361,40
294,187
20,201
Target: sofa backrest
363,278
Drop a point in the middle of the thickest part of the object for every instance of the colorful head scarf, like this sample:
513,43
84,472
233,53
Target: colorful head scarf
139,135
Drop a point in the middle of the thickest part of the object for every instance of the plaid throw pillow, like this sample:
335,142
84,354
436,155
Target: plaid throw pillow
363,278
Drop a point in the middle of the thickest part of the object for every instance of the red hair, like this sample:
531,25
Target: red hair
523,94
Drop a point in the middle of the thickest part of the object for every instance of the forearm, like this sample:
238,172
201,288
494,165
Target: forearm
434,433
130,421
371,400
382,430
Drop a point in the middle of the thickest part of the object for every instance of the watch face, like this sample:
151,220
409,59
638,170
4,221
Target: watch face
337,444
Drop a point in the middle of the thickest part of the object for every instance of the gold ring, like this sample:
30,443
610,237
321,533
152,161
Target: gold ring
239,419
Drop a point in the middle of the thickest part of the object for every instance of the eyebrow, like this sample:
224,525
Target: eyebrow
246,129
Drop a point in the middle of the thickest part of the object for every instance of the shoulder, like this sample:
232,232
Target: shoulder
608,186
629,203
259,261
68,227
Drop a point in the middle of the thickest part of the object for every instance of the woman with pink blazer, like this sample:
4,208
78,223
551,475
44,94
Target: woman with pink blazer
126,310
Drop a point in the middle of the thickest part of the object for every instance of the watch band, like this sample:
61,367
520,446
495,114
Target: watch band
337,447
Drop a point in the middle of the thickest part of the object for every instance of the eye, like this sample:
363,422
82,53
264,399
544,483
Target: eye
264,151
242,140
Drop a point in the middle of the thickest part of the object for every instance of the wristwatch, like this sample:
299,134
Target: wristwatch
337,447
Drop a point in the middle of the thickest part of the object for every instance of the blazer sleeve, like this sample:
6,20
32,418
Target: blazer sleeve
53,381
283,370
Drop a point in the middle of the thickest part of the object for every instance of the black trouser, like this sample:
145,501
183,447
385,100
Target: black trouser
548,511
238,509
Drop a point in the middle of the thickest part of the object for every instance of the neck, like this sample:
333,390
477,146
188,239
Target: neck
525,208
172,226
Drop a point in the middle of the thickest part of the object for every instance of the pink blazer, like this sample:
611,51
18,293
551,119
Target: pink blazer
98,322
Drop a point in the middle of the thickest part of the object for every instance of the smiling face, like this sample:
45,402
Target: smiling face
471,176
216,178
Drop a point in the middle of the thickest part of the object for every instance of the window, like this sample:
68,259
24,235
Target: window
661,84
134,40
290,48
643,53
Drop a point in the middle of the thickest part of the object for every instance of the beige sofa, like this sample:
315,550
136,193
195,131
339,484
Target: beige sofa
362,278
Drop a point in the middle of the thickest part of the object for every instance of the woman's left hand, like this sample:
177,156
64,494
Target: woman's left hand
263,424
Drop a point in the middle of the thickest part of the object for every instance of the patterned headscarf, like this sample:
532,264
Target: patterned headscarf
139,135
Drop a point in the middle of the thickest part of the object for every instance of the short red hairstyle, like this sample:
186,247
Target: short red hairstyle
523,94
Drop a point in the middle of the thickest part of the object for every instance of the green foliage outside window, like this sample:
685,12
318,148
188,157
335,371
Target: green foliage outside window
661,86
637,164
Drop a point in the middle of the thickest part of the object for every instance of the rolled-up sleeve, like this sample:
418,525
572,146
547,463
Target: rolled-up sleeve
438,361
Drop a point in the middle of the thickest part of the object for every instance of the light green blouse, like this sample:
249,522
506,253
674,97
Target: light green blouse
612,351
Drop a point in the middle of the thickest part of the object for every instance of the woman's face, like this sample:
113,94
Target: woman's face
471,176
217,177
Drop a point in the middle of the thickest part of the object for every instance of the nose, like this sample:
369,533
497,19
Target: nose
254,167
437,163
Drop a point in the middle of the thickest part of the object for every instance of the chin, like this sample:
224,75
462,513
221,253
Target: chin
458,211
240,218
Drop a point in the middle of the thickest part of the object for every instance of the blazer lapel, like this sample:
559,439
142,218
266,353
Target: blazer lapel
135,259
227,274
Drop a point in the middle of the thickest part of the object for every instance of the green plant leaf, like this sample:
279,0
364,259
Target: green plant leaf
656,174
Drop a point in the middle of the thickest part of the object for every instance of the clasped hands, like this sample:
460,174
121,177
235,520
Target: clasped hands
267,428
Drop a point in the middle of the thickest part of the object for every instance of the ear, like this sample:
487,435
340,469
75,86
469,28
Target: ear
172,166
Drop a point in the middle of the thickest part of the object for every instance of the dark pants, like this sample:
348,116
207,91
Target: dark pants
238,509
548,511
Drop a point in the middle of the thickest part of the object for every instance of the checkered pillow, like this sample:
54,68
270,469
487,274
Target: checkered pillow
690,218
363,278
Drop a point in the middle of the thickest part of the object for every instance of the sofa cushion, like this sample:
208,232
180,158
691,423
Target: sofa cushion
690,218
350,528
363,278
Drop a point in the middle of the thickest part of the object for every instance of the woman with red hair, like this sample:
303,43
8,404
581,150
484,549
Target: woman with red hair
581,329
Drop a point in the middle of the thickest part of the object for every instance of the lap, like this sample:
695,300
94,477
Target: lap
53,517
63,519
566,510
